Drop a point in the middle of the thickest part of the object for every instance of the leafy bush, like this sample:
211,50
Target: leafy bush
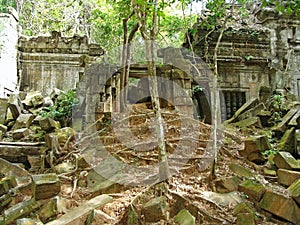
270,152
62,108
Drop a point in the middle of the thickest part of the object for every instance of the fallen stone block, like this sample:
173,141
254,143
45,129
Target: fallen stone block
253,189
98,184
228,184
23,121
269,172
155,209
26,221
250,122
245,219
294,190
248,105
184,217
294,122
21,209
15,105
243,208
14,150
82,211
11,170
283,125
281,206
252,112
45,186
224,199
36,163
284,160
48,124
264,117
34,99
48,211
287,142
20,133
287,177
240,171
254,147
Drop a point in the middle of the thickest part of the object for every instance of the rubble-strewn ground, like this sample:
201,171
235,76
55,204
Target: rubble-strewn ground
72,177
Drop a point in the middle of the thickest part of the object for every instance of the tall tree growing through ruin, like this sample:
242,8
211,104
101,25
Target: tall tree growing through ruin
150,10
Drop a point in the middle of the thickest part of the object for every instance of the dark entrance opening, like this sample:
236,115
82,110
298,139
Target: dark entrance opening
231,102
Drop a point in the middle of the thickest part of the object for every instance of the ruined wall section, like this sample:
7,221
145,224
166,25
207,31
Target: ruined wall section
284,41
48,62
262,50
8,54
242,57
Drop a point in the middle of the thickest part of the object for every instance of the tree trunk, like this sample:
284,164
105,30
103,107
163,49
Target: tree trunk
153,86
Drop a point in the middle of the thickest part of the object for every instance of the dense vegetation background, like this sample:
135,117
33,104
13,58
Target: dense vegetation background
103,20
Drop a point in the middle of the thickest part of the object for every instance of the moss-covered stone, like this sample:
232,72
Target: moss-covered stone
48,124
287,142
240,171
281,206
48,210
243,208
45,186
287,177
20,133
284,160
184,217
21,209
294,190
250,122
282,126
254,147
269,172
253,189
228,184
155,209
23,121
245,219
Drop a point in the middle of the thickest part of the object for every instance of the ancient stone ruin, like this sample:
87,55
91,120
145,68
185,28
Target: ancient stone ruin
82,167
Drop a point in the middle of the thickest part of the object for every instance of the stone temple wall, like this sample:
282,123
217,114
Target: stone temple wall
262,53
8,54
48,62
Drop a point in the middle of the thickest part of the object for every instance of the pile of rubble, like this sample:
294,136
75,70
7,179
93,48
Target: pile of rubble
272,143
25,133
29,145
45,177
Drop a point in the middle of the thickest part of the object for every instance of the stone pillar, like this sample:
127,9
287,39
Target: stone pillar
8,54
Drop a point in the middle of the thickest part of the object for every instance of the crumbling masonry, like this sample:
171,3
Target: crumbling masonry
254,60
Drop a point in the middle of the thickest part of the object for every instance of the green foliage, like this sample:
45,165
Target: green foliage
4,4
278,102
197,89
101,20
278,107
44,16
287,7
248,57
62,109
269,152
